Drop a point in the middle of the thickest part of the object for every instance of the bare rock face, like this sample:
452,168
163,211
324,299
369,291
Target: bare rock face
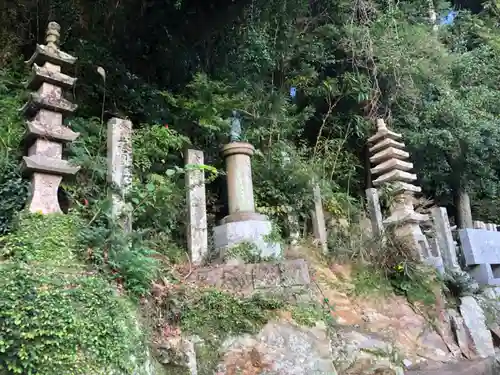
481,367
280,348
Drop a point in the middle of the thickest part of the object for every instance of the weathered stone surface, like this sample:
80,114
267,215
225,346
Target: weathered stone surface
40,163
46,148
253,232
197,232
41,74
318,220
177,352
52,132
43,54
119,157
480,246
386,143
462,336
239,176
389,153
475,322
391,164
393,176
444,237
50,103
375,212
43,197
480,367
248,278
279,349
383,132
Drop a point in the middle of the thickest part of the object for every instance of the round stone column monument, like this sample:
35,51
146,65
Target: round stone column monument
243,224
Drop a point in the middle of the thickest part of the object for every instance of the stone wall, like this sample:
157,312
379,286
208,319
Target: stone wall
247,279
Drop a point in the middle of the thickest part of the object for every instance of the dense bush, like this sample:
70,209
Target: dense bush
56,316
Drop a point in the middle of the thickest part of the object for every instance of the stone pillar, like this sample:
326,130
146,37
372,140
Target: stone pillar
46,133
239,177
391,166
197,237
318,220
243,224
120,168
444,238
375,212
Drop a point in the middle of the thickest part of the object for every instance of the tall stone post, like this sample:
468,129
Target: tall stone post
318,220
392,168
373,202
243,224
120,169
46,133
444,238
197,237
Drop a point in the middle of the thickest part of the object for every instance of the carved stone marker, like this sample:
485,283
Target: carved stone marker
46,133
243,224
120,168
372,200
318,220
481,249
197,213
444,238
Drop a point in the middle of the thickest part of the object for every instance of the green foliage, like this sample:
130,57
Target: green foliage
309,314
40,238
369,281
125,256
55,315
64,321
13,188
418,283
208,312
13,194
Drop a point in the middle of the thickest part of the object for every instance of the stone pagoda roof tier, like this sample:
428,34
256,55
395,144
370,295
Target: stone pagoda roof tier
44,164
41,74
60,133
51,103
54,56
395,176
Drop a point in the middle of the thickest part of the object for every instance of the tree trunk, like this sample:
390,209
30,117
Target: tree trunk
462,203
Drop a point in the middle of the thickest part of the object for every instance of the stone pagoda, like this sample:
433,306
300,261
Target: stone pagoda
46,133
390,164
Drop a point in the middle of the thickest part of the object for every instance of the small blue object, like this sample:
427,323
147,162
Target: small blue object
293,92
449,18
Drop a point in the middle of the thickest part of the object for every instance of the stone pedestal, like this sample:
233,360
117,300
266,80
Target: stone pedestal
243,225
46,133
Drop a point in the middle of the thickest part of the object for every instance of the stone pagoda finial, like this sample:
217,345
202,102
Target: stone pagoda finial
53,36
46,133
391,165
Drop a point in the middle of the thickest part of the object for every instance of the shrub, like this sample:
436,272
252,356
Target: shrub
64,322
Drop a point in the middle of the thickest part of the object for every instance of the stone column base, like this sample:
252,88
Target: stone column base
254,232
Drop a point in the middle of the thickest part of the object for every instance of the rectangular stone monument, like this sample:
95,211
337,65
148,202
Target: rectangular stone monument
372,200
444,238
120,168
481,249
197,234
318,220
